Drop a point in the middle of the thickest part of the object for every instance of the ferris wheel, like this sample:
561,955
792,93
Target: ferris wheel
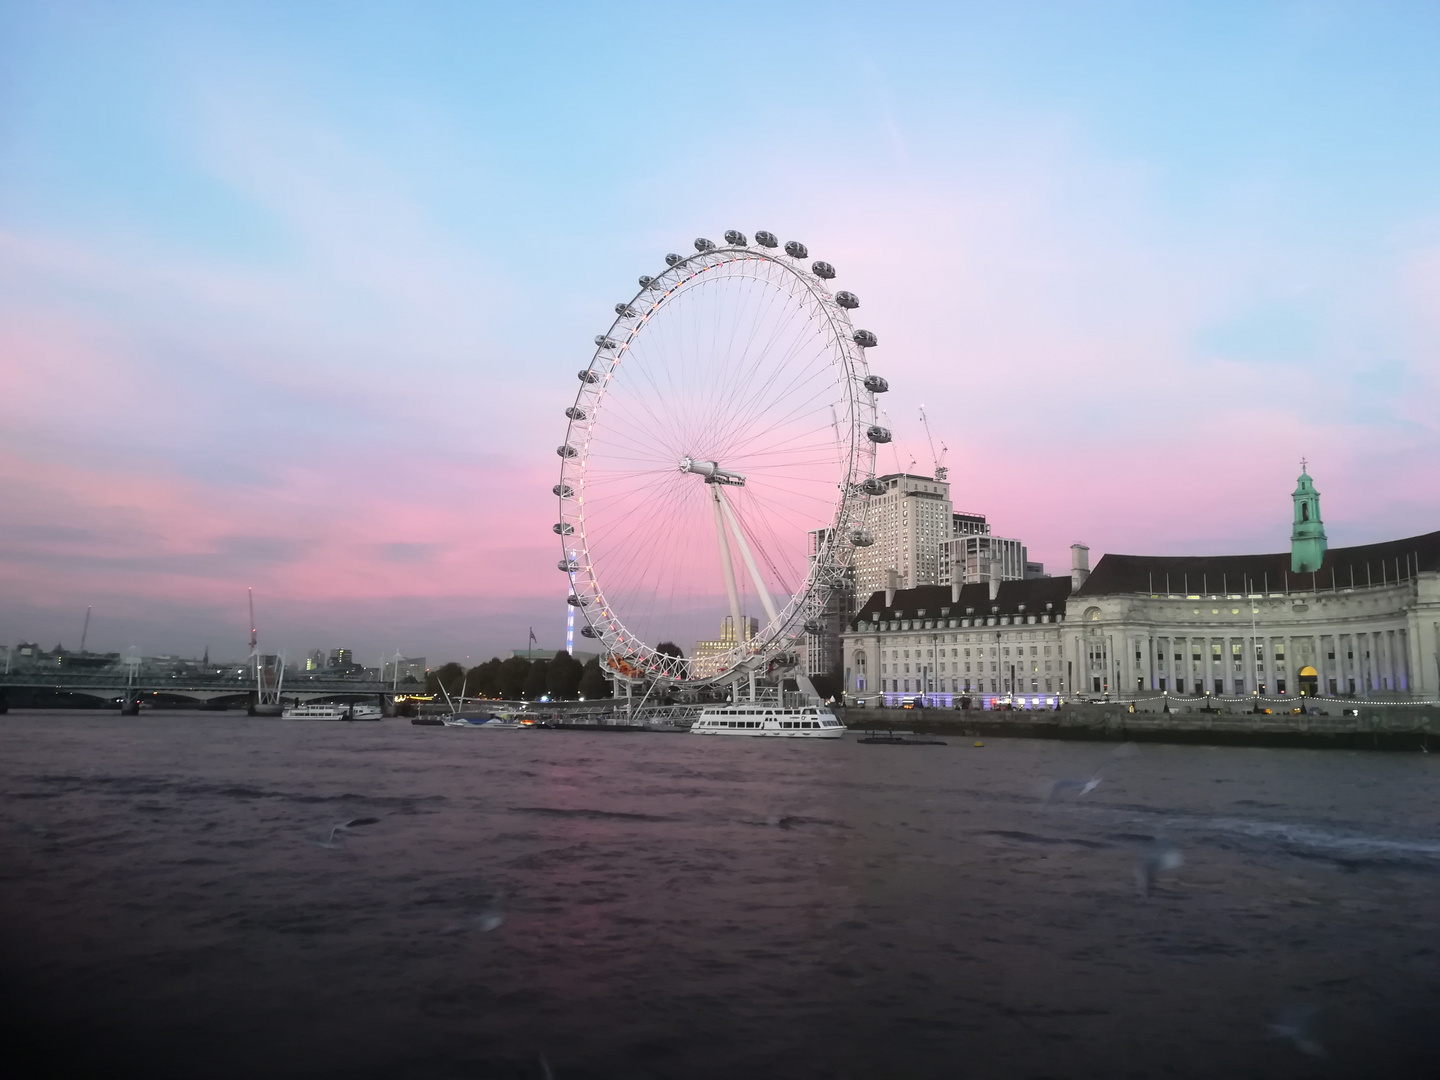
719,461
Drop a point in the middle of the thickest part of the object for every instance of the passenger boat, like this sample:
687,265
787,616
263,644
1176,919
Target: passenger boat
768,721
331,712
481,720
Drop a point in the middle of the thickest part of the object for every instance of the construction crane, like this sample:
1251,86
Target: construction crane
940,470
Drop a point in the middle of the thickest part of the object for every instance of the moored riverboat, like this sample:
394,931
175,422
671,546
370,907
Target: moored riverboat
481,720
331,712
769,721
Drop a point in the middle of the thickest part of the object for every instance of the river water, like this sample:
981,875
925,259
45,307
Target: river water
642,905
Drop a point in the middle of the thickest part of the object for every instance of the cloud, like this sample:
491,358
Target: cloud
410,552
354,408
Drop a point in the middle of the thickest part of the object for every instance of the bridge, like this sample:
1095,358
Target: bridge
116,684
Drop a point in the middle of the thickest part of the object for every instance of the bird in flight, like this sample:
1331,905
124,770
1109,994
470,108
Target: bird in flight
354,823
1084,787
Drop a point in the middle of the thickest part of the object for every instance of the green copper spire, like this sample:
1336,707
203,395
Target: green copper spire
1307,533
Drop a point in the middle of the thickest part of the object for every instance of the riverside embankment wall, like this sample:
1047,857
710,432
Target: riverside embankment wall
1379,726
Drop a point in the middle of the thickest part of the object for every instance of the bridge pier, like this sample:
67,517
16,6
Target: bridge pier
4,701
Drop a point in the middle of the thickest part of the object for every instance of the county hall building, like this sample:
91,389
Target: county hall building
1316,620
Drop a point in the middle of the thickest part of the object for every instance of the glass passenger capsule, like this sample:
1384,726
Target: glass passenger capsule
823,270
575,414
877,434
566,451
564,491
735,238
563,528
588,376
875,384
847,299
865,339
796,250
766,239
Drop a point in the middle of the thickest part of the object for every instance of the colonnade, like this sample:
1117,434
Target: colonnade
1354,662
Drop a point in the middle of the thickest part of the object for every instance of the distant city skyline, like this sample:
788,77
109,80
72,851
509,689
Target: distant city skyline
294,297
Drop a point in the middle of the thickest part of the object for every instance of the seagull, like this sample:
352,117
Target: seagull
1084,787
1294,1023
1080,787
1163,856
345,826
491,917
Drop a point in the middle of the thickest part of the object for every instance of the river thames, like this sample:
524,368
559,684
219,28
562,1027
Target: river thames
177,902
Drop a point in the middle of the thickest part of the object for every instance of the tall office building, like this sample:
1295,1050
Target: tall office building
909,523
704,658
967,560
826,616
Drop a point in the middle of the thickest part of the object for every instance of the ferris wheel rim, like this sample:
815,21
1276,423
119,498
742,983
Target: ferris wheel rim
627,653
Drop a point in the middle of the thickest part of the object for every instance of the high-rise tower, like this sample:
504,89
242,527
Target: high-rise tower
909,522
1307,532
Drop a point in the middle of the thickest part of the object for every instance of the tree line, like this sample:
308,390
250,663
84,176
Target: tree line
561,678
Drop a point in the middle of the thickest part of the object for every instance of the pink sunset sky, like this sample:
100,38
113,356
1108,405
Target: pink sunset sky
299,308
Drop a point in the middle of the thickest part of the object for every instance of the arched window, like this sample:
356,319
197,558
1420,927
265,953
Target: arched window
1304,511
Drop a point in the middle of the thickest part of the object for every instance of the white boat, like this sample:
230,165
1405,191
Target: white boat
331,712
768,721
489,723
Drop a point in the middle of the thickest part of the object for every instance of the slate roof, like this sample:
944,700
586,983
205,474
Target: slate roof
1034,593
1365,564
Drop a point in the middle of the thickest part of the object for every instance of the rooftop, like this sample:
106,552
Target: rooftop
1366,564
934,601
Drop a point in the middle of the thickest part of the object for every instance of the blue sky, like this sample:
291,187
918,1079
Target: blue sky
293,295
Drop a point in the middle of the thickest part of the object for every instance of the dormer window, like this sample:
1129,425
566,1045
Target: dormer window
921,612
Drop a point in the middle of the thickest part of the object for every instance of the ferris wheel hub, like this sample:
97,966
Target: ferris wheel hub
712,472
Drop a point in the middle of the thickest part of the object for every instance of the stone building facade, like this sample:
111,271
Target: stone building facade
1361,621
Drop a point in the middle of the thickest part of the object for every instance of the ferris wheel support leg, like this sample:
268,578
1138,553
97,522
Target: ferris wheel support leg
727,564
752,684
765,601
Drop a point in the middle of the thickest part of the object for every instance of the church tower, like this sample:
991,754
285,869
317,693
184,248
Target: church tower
1307,533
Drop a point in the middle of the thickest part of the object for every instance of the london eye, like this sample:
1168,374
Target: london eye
727,414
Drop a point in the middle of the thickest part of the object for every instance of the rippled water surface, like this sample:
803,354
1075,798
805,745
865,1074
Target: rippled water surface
625,905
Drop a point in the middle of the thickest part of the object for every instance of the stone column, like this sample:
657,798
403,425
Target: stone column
1402,656
1292,684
